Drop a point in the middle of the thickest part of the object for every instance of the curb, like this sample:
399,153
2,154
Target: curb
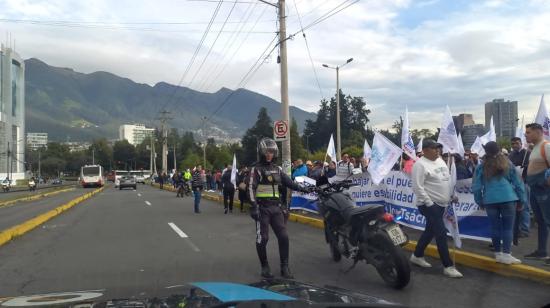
35,197
461,257
18,230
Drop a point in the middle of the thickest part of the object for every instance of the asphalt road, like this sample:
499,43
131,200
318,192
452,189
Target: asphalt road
122,241
24,192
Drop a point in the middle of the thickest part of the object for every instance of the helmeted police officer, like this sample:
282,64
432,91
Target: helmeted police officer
267,209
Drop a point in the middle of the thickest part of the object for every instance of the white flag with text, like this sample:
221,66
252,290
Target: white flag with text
384,156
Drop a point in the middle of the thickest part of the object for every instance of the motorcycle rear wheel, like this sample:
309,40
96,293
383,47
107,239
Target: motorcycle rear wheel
393,265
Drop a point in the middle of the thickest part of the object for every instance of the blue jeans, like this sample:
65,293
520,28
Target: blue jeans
197,194
501,216
525,215
434,228
540,203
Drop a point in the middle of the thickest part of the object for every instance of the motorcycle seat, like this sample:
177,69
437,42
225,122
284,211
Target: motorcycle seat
350,212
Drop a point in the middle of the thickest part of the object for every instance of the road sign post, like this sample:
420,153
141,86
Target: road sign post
280,130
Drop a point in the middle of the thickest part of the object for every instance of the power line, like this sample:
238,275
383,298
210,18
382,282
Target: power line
237,50
229,44
213,44
308,51
199,46
327,15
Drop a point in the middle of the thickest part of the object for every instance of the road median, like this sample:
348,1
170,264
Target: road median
20,229
35,196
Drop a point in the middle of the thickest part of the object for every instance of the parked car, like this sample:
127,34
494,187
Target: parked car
57,182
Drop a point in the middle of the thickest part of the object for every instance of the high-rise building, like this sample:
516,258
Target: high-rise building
505,117
135,134
462,120
12,114
469,134
37,140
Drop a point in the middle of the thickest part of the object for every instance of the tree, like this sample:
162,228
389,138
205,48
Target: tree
262,128
190,161
102,152
354,120
124,154
296,146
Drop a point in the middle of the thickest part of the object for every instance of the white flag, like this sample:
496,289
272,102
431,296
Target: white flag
419,145
447,134
234,171
450,219
367,152
407,143
331,150
477,147
460,146
490,135
543,119
384,156
520,133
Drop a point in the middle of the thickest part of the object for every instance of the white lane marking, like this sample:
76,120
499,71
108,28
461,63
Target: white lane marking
148,203
184,236
177,230
139,195
175,286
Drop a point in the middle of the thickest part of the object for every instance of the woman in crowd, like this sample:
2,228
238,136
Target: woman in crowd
498,189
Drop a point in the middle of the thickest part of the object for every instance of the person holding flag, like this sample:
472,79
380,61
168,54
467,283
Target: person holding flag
431,185
498,189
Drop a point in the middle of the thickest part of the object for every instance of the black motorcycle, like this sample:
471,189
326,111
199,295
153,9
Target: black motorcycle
363,233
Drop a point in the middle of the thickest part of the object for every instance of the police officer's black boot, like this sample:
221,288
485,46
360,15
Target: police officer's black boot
285,272
266,272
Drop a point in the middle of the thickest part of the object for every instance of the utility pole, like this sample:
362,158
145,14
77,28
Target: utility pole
151,157
39,173
284,83
338,135
204,143
93,156
164,117
175,165
8,162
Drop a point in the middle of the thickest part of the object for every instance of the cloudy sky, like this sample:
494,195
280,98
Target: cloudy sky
424,54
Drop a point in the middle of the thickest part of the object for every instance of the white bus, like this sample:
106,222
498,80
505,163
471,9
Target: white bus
92,176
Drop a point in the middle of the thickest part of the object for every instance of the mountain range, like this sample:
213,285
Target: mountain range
73,106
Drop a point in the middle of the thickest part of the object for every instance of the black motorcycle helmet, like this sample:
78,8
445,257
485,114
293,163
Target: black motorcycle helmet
268,145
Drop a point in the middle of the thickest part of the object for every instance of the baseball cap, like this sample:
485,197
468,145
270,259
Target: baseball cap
429,143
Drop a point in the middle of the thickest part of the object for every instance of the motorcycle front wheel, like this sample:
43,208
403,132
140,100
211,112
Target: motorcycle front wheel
391,262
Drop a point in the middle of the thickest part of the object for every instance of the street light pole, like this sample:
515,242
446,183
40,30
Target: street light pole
338,135
284,83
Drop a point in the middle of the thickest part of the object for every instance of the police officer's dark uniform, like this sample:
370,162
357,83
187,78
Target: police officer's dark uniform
264,181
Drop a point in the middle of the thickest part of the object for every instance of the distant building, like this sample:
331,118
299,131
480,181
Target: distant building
135,134
36,141
469,134
462,120
75,146
12,114
505,116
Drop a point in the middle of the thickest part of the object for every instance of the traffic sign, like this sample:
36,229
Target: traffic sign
280,130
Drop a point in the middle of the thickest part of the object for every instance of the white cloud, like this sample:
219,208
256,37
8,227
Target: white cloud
463,58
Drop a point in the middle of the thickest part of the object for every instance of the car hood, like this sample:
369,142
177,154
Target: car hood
203,294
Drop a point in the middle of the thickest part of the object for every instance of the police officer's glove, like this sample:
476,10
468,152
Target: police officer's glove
285,211
254,212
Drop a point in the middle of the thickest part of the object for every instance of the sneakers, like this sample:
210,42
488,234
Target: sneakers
546,262
225,211
506,258
498,257
536,255
452,272
419,261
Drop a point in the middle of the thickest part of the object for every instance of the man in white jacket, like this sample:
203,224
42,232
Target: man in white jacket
430,181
